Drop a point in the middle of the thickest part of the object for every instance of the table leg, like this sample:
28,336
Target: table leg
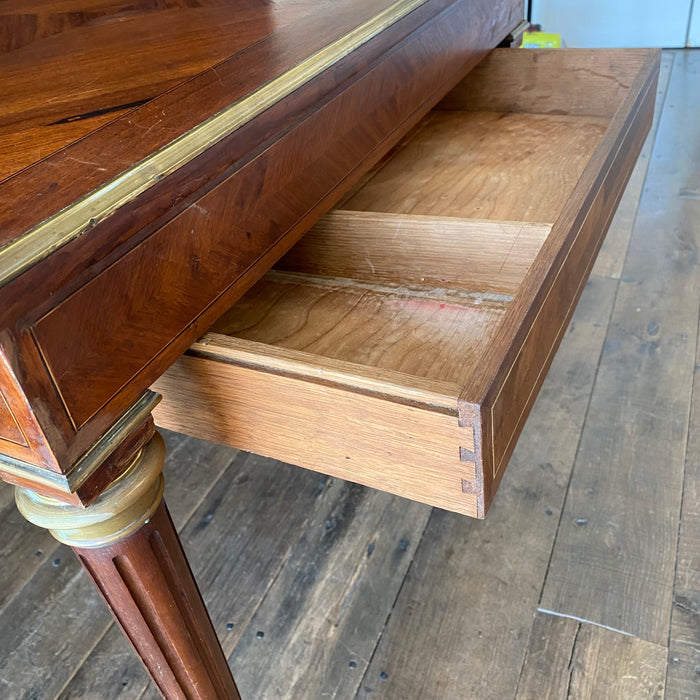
128,544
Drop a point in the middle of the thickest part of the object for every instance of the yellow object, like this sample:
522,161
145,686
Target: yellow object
541,40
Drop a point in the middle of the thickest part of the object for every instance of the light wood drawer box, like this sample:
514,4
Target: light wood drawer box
402,342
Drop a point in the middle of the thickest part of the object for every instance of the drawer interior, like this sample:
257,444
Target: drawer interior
414,270
402,341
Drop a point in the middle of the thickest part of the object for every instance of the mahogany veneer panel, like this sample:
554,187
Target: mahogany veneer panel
10,430
21,437
22,148
346,363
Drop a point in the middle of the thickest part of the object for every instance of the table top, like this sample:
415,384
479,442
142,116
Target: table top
89,89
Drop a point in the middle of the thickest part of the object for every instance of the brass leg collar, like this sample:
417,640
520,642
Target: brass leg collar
123,508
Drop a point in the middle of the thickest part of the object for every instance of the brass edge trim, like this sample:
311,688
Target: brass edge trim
37,475
518,32
59,229
91,460
127,524
118,512
103,448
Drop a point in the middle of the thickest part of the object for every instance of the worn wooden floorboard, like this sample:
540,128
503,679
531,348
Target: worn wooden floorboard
54,622
236,540
23,549
683,679
43,631
324,615
567,659
614,558
461,623
682,671
6,494
611,257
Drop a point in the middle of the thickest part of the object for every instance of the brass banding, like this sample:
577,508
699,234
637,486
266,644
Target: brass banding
105,446
82,215
120,510
92,460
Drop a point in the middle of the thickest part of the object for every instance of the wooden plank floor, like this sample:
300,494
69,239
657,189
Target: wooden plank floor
583,582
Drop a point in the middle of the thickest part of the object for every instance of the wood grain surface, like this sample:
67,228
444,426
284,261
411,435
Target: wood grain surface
25,548
683,680
496,568
351,561
402,249
131,58
416,331
534,323
586,82
485,165
404,449
135,52
681,671
21,436
473,586
10,430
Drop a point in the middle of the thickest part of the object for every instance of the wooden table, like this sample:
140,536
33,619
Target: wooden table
160,160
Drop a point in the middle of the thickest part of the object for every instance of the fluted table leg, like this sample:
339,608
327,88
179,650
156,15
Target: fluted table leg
128,544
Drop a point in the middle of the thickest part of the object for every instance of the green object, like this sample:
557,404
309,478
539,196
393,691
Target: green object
541,40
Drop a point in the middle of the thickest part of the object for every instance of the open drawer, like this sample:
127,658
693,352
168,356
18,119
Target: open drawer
402,342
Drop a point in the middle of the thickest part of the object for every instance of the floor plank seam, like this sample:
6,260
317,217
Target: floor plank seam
49,555
679,533
285,559
686,643
571,665
393,605
675,603
86,656
578,444
145,691
591,622
617,281
523,663
238,455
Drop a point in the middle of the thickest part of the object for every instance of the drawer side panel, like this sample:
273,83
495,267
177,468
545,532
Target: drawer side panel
514,395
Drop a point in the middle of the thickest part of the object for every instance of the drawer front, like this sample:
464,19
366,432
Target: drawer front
417,321
357,436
